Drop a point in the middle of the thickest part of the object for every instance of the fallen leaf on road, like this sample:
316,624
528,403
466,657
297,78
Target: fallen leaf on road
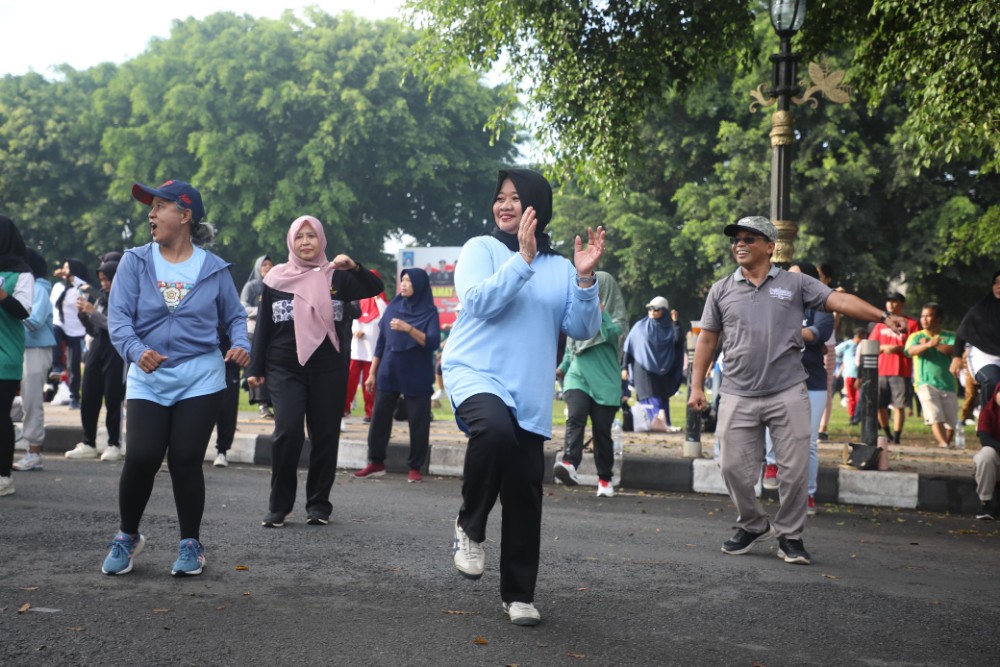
220,607
482,641
460,612
242,568
24,607
160,611
583,589
575,655
247,593
28,588
75,629
757,664
830,576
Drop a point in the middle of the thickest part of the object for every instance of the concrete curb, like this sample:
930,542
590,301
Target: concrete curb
932,493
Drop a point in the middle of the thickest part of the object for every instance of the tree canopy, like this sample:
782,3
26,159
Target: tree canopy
270,119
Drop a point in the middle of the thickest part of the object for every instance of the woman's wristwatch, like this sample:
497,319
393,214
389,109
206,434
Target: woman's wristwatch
586,280
885,316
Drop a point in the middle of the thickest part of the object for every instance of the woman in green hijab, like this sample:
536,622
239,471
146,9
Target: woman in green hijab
592,387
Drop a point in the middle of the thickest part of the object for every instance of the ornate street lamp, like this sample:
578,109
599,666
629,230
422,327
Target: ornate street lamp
787,17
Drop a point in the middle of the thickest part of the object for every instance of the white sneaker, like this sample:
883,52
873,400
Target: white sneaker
221,461
82,451
470,559
112,454
6,486
605,489
436,396
565,472
522,613
30,461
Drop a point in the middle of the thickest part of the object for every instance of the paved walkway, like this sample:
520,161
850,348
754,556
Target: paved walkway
921,475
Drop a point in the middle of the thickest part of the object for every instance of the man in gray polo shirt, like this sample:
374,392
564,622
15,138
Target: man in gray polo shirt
760,309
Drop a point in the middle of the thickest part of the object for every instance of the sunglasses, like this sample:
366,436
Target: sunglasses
746,240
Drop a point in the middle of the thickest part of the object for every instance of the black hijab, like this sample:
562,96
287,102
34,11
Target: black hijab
109,269
39,267
78,269
981,325
418,311
533,190
13,255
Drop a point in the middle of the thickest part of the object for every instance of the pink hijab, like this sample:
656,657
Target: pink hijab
310,282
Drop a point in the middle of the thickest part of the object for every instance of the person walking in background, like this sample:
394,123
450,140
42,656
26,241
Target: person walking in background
759,308
250,298
847,356
296,352
77,281
517,294
403,367
980,330
104,375
987,459
653,358
225,425
17,287
591,380
38,342
826,275
170,297
931,349
895,369
365,335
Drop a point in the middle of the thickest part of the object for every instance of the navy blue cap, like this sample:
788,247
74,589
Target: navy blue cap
183,193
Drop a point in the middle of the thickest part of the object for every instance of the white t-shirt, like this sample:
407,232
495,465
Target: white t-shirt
72,326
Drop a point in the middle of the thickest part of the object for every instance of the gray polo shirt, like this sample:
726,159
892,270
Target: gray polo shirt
763,329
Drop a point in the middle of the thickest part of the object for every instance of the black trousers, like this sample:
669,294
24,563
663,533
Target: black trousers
316,400
181,431
74,354
107,386
580,406
418,415
504,460
225,427
8,390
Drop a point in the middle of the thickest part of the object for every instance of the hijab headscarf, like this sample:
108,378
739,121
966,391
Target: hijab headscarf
39,267
13,255
614,305
417,311
255,283
653,344
369,306
981,325
109,269
309,282
533,190
78,269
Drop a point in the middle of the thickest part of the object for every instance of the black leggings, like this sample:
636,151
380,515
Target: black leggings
105,385
8,390
181,431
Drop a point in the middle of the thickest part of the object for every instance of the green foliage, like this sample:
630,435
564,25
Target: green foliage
270,119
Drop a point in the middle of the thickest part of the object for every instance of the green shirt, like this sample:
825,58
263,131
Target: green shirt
932,366
11,335
596,370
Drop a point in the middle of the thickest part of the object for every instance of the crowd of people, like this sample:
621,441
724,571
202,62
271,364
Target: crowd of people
164,333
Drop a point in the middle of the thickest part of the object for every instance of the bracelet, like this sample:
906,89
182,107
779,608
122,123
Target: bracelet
885,316
589,280
527,258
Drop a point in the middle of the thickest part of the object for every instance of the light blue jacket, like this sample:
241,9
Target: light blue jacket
504,341
139,320
38,327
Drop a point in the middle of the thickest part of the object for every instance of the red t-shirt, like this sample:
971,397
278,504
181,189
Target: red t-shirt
897,363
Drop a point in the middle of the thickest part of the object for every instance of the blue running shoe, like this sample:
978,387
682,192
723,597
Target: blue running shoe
190,558
123,549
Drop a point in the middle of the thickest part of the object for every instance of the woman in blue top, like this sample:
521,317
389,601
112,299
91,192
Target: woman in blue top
168,300
403,365
517,294
38,341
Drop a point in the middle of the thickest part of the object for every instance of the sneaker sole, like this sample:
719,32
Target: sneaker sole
192,573
562,474
526,621
795,560
468,575
317,521
380,473
769,486
272,524
38,467
763,538
985,517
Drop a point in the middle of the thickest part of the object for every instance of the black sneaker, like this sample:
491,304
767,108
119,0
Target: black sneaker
793,551
822,437
986,511
316,519
743,541
274,520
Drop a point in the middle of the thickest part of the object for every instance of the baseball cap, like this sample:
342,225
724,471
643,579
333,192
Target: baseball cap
659,303
753,223
183,193
895,296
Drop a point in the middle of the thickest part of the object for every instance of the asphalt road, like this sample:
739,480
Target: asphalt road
633,580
